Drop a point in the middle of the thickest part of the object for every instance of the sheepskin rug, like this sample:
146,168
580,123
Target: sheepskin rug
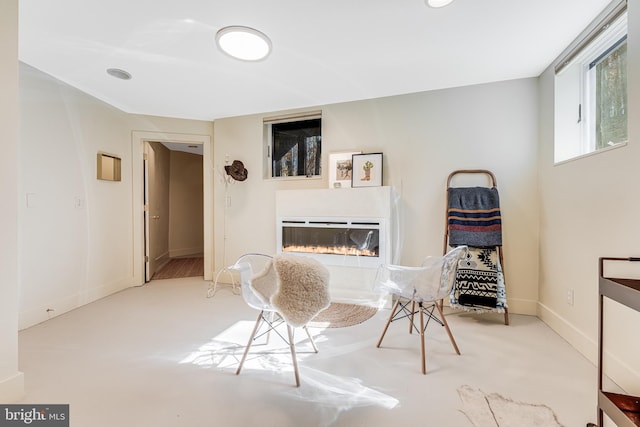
494,410
303,290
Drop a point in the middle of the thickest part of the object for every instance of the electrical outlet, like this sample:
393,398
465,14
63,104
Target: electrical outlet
570,297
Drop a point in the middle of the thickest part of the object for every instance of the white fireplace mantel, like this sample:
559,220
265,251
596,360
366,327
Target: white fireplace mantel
354,202
348,283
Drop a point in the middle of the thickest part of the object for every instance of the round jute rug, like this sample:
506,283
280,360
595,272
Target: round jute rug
340,315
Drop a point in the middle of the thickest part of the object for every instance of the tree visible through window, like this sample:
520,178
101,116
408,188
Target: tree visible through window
296,148
611,97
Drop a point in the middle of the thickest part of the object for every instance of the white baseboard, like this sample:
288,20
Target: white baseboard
175,253
162,258
579,340
12,388
617,371
522,306
33,316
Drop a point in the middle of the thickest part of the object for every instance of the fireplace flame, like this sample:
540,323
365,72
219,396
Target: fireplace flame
331,250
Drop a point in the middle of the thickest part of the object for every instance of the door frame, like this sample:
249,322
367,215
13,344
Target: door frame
138,139
146,212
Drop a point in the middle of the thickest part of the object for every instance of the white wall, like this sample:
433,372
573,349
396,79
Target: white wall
589,208
424,137
11,380
186,231
76,233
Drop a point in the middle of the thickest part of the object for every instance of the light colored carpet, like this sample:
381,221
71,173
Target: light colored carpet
494,410
340,315
164,355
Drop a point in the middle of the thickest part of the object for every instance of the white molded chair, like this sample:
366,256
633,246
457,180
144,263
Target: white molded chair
424,287
286,289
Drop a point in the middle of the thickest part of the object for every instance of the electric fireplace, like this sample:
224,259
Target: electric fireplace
350,230
356,242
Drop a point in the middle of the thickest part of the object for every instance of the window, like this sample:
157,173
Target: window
591,89
293,146
608,80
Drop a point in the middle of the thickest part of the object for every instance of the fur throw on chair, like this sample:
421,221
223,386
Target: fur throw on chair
303,290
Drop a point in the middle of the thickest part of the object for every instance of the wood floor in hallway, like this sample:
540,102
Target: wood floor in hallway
178,268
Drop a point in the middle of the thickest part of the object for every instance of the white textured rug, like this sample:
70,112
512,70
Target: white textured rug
494,410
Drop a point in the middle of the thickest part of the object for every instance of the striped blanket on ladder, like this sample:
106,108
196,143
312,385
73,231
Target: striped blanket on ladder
474,219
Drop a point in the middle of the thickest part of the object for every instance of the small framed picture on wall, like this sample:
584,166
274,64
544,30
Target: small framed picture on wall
341,169
367,170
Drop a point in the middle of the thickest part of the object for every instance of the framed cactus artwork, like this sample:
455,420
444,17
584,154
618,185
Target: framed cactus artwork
367,170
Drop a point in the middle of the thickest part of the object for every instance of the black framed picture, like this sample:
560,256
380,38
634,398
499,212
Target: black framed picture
367,170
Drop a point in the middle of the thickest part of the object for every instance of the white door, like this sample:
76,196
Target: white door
147,246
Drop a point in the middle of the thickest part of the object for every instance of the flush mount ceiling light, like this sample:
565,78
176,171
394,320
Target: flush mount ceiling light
119,74
243,43
438,3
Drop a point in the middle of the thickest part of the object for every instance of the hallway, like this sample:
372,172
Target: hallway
178,268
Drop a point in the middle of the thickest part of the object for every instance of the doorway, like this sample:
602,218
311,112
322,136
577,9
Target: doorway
142,215
174,218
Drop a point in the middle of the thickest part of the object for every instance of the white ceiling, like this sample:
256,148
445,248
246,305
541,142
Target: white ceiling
187,148
323,51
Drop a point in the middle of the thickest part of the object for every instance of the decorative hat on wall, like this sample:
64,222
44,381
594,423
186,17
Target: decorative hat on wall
236,170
